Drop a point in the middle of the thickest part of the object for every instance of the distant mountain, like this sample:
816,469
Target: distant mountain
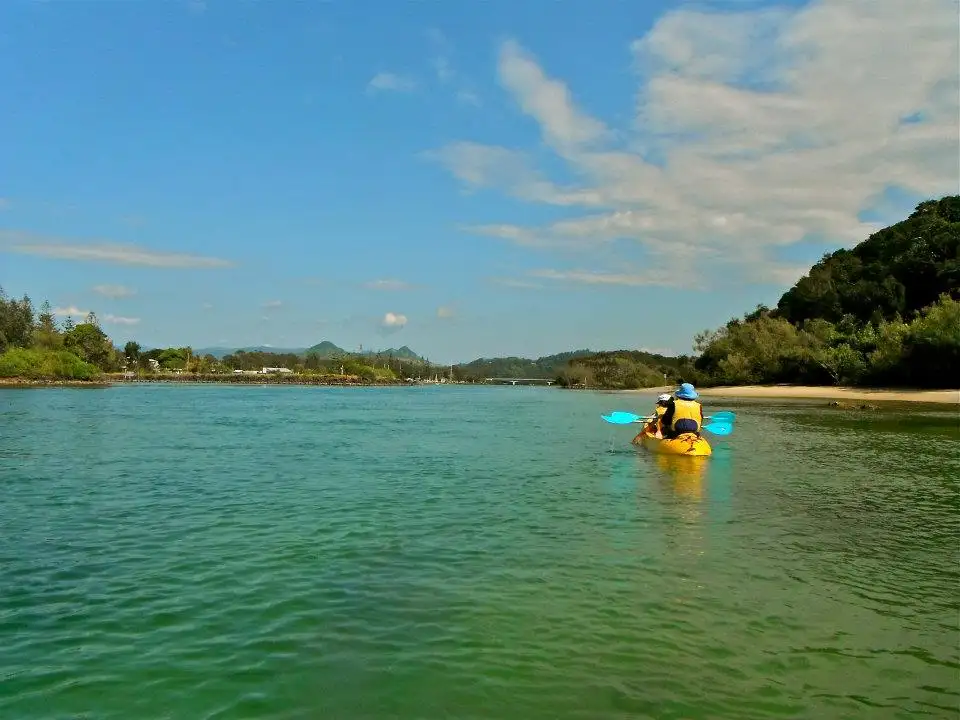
220,352
325,348
402,353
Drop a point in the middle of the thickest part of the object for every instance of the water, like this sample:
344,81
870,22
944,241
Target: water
434,552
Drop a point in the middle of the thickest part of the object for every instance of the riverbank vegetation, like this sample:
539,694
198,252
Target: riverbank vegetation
34,347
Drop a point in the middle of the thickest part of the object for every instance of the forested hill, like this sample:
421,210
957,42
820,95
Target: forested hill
886,312
547,366
900,269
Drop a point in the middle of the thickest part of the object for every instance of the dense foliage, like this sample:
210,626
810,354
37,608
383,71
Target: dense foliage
546,367
34,347
623,370
886,312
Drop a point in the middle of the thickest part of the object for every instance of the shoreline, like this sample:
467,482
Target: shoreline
824,392
45,383
109,380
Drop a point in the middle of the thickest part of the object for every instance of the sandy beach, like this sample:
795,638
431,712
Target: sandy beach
772,392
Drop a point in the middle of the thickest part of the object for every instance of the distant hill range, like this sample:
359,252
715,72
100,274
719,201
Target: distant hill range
322,349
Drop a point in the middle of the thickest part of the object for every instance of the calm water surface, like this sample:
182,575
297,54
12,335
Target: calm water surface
294,552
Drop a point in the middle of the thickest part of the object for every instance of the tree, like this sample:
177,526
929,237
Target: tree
16,321
46,335
91,344
131,351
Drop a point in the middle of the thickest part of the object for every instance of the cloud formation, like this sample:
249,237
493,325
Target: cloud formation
56,248
114,292
392,322
445,312
591,277
120,320
272,305
71,311
388,285
444,69
391,82
754,130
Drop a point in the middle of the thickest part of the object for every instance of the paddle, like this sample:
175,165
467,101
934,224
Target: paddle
719,428
618,417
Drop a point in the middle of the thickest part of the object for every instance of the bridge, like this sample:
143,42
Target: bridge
520,381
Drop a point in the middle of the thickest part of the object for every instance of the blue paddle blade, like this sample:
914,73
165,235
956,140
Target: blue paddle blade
621,418
719,428
618,417
724,416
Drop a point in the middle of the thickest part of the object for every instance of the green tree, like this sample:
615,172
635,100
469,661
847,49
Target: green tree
16,321
131,351
46,335
92,345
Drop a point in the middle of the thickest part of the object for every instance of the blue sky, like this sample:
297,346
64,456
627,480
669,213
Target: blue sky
469,179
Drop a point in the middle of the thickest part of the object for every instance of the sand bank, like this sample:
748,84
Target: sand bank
772,392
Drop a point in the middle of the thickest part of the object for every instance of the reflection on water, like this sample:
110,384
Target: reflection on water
685,476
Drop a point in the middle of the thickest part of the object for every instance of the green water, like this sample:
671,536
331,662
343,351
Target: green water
433,552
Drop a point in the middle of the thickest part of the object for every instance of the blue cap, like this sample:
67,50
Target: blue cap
686,392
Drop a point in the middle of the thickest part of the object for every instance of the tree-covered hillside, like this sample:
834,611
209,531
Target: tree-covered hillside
886,312
898,270
546,367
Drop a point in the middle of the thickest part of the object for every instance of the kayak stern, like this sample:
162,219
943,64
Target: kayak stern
686,444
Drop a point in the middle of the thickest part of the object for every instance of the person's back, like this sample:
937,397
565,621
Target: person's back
684,414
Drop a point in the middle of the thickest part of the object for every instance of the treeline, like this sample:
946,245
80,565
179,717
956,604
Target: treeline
885,313
624,370
546,367
35,347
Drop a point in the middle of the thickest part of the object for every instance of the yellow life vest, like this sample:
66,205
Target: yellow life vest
659,410
686,410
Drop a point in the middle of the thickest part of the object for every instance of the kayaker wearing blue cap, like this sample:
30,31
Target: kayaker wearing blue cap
684,414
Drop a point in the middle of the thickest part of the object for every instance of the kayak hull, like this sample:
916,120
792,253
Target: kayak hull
686,444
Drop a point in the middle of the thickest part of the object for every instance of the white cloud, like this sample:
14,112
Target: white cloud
515,283
468,97
391,82
30,244
71,311
755,129
272,304
546,100
445,312
114,291
445,71
392,322
591,277
388,285
119,320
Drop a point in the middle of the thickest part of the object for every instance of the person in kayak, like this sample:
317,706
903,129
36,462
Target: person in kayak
663,402
684,414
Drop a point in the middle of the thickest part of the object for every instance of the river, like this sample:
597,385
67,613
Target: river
469,552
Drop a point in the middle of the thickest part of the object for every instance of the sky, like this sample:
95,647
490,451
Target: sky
470,179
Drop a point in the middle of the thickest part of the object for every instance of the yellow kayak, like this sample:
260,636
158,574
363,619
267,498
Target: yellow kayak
686,444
